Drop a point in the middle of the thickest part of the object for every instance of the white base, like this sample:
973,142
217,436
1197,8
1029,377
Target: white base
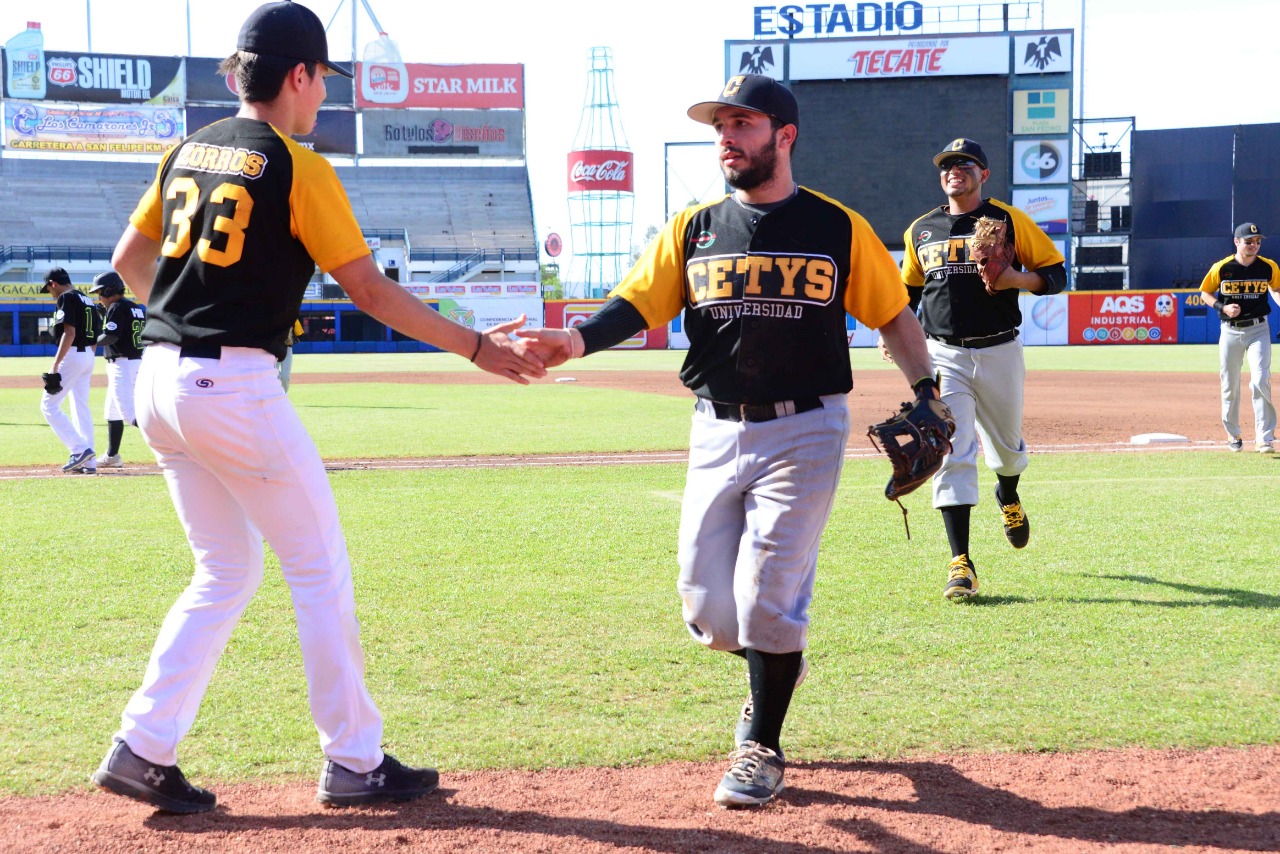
1157,438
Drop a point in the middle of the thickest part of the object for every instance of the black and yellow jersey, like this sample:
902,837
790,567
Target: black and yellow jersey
947,285
764,294
1236,284
243,215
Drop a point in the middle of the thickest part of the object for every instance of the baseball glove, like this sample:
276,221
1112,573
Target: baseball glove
989,248
52,383
915,439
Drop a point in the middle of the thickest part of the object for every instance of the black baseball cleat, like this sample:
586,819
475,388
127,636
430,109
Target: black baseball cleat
1017,528
962,579
162,786
390,781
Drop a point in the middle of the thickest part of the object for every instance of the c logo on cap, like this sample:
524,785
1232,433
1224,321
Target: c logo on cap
957,145
1253,229
731,88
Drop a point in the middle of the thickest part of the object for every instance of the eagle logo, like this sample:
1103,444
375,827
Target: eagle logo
1043,52
757,61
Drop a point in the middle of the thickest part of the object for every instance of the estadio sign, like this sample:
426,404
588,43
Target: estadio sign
608,171
826,19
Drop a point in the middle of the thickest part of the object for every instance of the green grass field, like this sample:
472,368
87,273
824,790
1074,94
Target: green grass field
527,617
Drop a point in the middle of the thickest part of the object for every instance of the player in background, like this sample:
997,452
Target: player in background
76,322
239,216
972,329
121,342
1236,288
764,277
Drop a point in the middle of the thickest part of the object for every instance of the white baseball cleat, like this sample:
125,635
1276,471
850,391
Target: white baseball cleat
110,461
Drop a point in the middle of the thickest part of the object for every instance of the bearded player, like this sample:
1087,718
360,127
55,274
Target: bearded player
764,277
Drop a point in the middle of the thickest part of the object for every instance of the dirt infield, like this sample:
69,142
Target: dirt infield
1115,801
1121,801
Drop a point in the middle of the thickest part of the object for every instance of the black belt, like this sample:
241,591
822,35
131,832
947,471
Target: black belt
755,412
1245,324
126,358
85,347
200,351
979,342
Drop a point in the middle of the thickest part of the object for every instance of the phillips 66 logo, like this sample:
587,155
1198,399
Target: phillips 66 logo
1040,162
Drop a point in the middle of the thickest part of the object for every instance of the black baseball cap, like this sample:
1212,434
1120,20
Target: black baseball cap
58,275
289,30
961,148
108,284
756,92
1248,229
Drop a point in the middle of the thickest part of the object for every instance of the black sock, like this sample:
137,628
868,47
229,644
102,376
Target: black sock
773,681
115,432
956,520
1007,490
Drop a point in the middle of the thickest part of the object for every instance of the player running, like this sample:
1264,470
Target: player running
764,277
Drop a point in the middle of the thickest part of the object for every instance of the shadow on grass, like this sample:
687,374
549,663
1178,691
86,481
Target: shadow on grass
1228,597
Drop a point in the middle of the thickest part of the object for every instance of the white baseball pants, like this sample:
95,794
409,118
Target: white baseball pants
756,500
75,432
122,379
1234,345
984,389
240,467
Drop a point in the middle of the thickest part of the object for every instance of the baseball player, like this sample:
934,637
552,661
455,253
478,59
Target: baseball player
764,277
76,323
970,315
121,341
1236,287
240,216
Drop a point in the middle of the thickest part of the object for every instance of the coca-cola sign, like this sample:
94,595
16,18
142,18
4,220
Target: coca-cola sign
600,170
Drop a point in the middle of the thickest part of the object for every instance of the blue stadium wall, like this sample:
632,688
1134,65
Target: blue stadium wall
1191,187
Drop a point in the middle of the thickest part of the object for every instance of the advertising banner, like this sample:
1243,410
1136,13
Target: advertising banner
860,59
206,86
334,133
443,133
1123,317
1042,112
1042,53
566,314
600,170
1044,318
1040,161
482,313
103,78
467,87
1050,209
138,129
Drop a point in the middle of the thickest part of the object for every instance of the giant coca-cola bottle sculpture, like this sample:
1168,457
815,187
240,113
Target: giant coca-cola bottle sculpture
601,197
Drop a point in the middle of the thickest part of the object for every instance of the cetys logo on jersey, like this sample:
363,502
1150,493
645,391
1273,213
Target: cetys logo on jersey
760,285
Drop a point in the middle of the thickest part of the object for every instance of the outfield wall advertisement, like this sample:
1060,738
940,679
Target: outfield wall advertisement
87,129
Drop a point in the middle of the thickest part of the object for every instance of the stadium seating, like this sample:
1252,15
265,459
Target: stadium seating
87,203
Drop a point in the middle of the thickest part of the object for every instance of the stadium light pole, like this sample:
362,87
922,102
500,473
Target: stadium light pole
88,23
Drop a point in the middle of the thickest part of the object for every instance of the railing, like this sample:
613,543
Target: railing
387,234
476,259
32,254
